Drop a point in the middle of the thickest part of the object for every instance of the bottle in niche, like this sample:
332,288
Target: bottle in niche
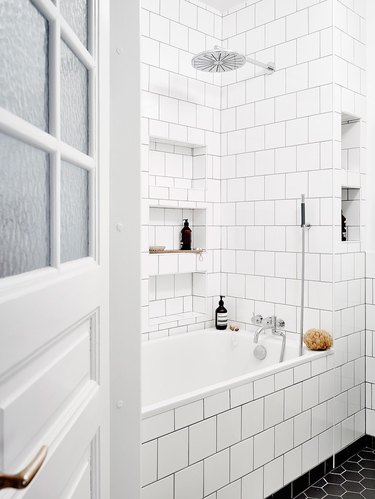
343,227
186,236
221,317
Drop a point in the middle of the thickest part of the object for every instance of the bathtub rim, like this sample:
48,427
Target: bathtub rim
182,400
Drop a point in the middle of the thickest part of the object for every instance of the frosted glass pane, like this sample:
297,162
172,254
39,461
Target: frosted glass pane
24,207
74,107
74,212
24,61
75,13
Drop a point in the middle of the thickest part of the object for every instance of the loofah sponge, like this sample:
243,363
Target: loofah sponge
318,339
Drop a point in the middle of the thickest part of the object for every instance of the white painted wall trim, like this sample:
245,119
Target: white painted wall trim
125,228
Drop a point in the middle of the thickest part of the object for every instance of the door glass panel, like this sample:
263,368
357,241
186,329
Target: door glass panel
24,61
75,12
24,207
74,100
74,212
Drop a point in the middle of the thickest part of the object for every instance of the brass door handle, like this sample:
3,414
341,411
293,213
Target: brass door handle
22,479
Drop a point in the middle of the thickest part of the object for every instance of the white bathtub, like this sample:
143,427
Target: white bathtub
180,369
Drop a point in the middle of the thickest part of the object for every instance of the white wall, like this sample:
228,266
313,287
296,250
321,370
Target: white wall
280,136
125,223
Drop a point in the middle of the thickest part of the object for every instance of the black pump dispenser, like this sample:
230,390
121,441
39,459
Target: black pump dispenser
343,227
186,236
221,316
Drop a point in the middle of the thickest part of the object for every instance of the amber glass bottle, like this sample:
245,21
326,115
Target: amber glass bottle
186,236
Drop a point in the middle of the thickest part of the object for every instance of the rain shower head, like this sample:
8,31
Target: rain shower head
220,60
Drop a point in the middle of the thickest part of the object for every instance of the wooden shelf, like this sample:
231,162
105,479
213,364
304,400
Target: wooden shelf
168,252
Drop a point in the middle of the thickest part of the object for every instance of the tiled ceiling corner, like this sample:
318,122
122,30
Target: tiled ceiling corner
222,4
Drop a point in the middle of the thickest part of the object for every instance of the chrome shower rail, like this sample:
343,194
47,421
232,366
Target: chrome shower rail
304,227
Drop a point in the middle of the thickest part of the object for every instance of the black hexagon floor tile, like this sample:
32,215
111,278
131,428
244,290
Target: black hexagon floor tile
349,466
368,463
368,473
334,478
353,476
368,483
354,479
315,492
353,486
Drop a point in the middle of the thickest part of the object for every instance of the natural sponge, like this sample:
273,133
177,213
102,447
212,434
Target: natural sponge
318,339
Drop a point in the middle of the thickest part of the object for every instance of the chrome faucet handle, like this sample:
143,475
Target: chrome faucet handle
280,323
269,321
257,319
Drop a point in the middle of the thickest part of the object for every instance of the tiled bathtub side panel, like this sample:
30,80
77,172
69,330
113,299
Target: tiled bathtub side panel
257,437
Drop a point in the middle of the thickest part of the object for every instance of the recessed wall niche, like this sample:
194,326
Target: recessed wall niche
350,143
176,170
350,205
176,300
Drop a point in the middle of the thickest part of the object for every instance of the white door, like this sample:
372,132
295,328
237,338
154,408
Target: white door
54,247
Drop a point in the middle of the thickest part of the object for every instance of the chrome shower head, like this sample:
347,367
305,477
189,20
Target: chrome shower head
218,60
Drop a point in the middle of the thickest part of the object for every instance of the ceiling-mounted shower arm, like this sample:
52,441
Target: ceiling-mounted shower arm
269,66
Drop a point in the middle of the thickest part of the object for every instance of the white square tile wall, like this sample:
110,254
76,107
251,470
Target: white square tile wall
263,141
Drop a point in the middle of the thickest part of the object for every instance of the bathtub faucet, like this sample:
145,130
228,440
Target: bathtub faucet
271,322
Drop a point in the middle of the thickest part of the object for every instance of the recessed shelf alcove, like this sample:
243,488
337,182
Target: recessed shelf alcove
350,205
176,300
350,142
177,170
164,230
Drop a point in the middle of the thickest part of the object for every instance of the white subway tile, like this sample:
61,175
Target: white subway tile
302,427
273,476
216,403
149,456
252,484
264,447
274,409
228,428
283,437
252,418
162,489
231,491
241,394
293,400
189,414
292,465
202,440
310,454
241,459
297,24
172,452
216,471
156,426
264,11
189,482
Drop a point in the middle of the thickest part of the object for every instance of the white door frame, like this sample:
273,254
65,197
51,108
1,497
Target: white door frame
125,236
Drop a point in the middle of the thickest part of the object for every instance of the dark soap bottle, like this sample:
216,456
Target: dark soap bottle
186,236
221,317
343,227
